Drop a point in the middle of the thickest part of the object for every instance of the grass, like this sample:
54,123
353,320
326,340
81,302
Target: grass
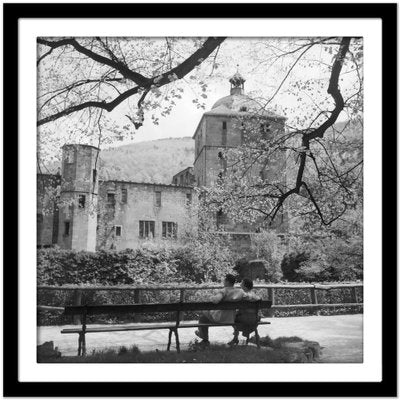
213,354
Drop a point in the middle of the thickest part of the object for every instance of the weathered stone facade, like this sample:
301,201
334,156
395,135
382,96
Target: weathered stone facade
131,213
78,198
86,214
46,209
95,214
184,178
222,128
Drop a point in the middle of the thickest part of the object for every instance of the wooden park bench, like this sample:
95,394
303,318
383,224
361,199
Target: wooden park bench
179,308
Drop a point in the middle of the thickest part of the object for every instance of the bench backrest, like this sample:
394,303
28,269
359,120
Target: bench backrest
164,307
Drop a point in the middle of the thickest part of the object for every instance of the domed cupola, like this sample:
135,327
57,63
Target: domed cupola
237,101
237,83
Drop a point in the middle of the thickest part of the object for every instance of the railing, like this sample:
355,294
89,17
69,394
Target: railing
271,290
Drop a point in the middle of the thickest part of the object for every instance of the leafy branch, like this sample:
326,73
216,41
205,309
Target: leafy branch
143,83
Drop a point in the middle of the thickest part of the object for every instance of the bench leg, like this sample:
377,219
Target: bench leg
178,349
257,338
169,339
79,344
83,345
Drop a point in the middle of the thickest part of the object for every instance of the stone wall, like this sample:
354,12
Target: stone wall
184,177
119,220
46,209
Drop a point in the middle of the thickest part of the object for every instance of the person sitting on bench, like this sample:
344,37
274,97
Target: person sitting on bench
228,293
246,320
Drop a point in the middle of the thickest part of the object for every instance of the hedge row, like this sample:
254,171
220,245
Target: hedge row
191,264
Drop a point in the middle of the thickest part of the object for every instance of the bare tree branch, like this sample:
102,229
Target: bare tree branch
143,82
119,66
309,135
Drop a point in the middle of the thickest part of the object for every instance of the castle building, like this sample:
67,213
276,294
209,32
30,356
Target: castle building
222,128
92,214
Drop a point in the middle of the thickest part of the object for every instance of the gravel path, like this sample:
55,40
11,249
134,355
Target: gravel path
341,336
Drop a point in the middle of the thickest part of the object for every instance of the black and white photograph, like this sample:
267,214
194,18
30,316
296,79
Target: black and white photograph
214,188
200,200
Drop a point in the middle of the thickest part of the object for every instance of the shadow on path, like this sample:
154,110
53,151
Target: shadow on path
341,336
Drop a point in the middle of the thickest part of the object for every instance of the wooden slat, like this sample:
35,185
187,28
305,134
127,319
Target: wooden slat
118,328
142,327
291,306
50,308
166,307
196,325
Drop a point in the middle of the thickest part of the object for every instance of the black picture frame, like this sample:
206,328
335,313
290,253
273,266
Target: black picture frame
11,15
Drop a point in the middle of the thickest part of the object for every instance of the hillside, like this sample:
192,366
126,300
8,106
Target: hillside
157,161
154,161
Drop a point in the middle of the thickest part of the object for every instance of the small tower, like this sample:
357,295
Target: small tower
237,83
78,197
218,130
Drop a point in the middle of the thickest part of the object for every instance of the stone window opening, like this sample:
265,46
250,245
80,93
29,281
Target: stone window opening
169,230
242,132
67,226
188,198
158,198
222,161
111,198
124,196
118,230
146,229
69,156
243,108
265,128
81,201
94,176
224,133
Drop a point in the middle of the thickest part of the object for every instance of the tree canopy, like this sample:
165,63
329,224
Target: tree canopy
313,82
314,166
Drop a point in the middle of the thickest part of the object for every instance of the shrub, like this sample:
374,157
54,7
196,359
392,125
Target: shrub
290,265
330,258
269,247
200,262
203,261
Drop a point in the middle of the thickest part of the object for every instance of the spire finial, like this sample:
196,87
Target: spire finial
237,82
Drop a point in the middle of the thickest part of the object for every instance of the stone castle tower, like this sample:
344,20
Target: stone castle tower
78,198
220,128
